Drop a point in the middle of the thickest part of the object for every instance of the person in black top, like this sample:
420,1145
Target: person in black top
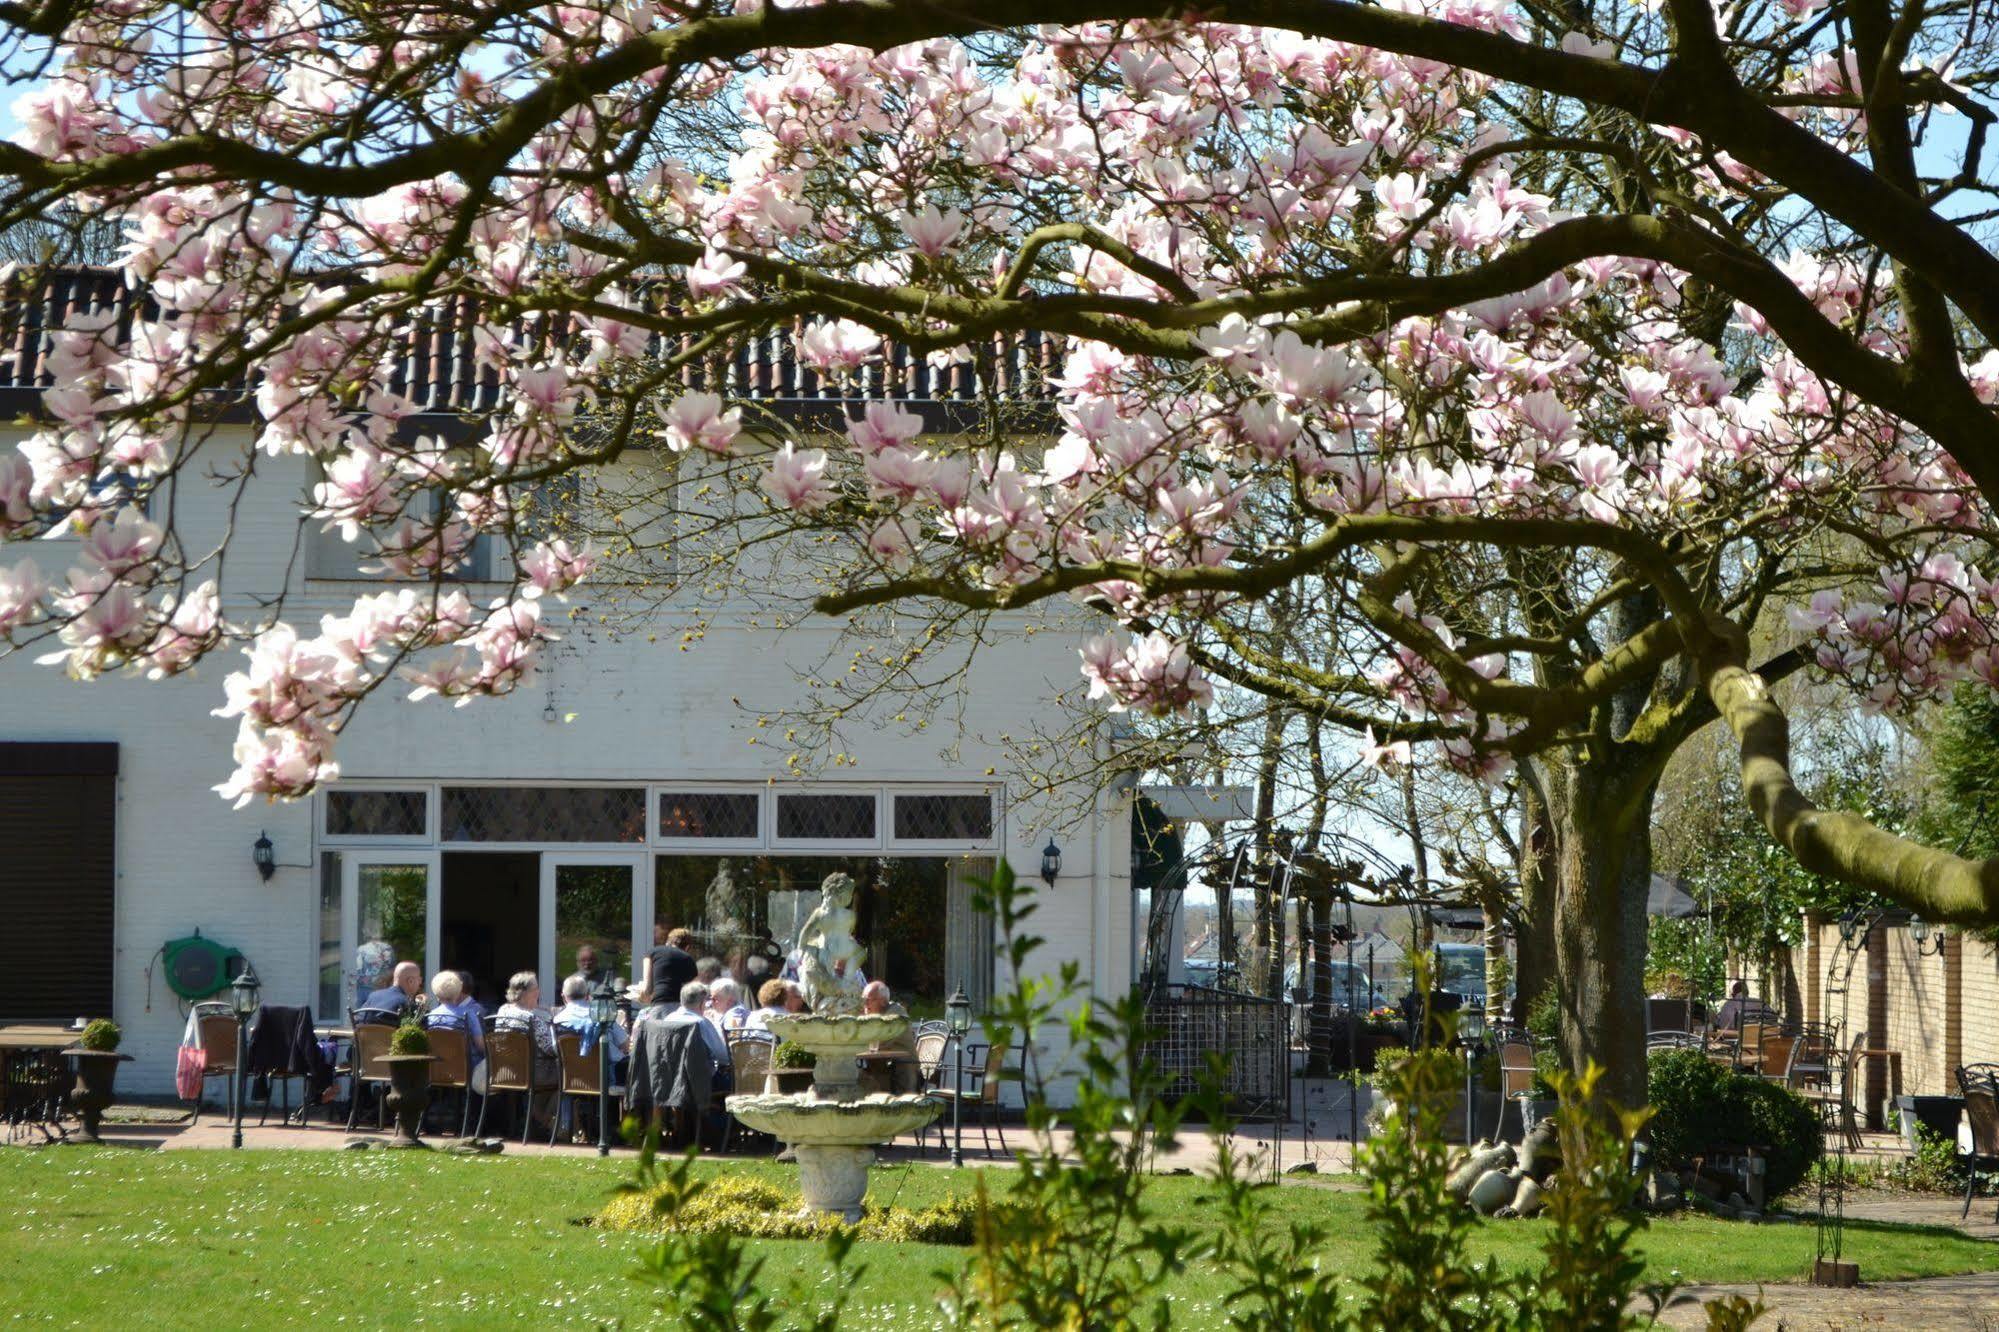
669,967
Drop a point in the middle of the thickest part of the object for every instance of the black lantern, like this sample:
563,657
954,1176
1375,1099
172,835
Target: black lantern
1051,862
265,856
604,1011
1849,926
243,1000
958,1021
1925,935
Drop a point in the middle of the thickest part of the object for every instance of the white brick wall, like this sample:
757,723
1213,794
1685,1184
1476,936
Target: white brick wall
642,711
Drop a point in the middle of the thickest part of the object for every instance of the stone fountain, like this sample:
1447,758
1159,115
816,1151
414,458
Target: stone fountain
833,1128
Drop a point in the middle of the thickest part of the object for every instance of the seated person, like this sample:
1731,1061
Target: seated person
708,970
725,1005
523,1012
574,1016
693,1008
455,1010
1741,1007
902,1075
404,991
770,1004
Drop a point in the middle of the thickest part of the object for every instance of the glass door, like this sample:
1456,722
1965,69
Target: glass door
593,899
389,914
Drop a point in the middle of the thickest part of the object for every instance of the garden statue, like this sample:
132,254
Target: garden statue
724,904
829,957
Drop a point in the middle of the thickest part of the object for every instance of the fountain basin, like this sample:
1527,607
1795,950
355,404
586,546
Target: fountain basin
835,1140
837,1041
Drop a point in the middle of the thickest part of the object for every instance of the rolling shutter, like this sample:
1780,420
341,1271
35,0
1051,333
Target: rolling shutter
57,873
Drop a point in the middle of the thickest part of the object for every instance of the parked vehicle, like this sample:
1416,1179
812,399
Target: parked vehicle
1365,997
1459,969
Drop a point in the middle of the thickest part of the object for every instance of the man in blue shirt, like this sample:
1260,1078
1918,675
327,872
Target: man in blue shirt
405,988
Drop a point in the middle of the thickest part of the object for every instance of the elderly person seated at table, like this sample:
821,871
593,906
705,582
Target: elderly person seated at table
404,991
523,1012
694,1008
725,1005
1741,1007
574,1016
455,1010
770,1004
889,1065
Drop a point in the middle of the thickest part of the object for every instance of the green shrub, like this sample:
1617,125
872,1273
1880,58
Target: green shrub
410,1039
102,1034
1385,1060
753,1209
1934,1168
791,1055
1544,1016
1699,1106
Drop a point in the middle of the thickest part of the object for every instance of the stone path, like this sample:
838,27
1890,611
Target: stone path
1934,1304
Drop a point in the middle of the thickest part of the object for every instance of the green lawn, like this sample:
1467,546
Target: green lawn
213,1239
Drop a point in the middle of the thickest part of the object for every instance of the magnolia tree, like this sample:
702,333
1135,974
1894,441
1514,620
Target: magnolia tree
1543,363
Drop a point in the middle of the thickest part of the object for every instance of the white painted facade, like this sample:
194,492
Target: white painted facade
632,709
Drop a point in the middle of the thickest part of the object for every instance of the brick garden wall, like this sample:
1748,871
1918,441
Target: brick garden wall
1939,1011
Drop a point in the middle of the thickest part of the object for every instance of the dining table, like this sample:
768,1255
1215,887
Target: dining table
34,1077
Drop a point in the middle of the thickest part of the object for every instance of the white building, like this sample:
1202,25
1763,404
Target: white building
600,799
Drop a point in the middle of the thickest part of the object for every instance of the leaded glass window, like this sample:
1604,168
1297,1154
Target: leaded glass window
709,814
943,817
376,813
826,817
544,814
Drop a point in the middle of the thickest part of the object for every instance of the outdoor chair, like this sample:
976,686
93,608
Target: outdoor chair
579,1078
1778,1062
1662,1015
218,1045
749,1061
984,1098
1833,1092
371,1045
930,1048
451,1069
510,1069
1817,1054
1751,1042
1980,1085
1672,1039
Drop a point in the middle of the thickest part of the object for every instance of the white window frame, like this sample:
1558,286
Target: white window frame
809,845
931,844
352,860
553,968
660,840
337,841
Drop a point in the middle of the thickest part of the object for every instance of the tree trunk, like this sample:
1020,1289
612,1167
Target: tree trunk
1534,947
1602,868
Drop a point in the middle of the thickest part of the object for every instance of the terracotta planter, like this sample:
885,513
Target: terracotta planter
96,1072
409,1095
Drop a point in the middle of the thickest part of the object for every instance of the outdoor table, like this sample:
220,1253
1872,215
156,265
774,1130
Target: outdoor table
885,1066
33,1076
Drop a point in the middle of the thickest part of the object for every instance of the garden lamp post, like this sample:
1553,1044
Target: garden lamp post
603,1011
243,1000
958,1021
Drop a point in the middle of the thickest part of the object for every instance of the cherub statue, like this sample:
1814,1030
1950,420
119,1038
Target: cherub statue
829,957
724,904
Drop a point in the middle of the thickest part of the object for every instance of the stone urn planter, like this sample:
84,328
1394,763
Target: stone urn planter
409,1095
785,1081
96,1073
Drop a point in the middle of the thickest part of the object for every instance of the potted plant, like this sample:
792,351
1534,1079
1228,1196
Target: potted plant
97,1059
409,1059
791,1066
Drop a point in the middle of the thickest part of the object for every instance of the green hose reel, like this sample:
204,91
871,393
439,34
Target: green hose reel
198,968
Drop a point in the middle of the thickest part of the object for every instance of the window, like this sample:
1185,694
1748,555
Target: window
377,813
710,815
914,914
58,820
329,555
846,817
926,816
543,814
331,1004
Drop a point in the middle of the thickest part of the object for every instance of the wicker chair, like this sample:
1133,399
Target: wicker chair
218,1045
985,1098
452,1069
579,1078
510,1068
749,1061
1980,1085
1779,1059
930,1048
371,1044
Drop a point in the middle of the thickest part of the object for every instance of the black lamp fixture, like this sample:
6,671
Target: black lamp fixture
604,1011
243,1001
1051,862
958,1021
1925,935
265,856
1849,926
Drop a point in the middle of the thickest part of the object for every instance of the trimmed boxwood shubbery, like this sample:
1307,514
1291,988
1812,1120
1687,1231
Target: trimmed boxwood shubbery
410,1039
1700,1106
102,1035
755,1210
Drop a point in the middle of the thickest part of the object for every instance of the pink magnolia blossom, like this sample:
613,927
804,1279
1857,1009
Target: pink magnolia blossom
797,480
932,233
696,420
837,346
